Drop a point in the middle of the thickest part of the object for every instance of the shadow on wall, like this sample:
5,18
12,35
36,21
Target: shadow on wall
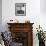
0,15
43,6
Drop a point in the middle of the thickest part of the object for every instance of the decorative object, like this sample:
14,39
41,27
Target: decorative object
20,9
41,36
13,21
27,21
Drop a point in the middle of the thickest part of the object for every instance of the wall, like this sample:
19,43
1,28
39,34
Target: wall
0,15
33,13
43,6
43,14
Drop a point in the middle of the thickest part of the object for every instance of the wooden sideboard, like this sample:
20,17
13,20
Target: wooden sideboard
22,33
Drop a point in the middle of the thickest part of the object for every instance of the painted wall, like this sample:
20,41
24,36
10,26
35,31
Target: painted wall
33,13
43,6
43,14
0,15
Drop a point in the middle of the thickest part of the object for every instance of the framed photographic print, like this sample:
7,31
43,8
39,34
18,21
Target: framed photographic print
20,9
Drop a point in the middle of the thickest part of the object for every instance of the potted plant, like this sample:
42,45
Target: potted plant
41,36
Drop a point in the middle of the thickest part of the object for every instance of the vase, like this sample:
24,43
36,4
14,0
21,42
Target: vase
41,43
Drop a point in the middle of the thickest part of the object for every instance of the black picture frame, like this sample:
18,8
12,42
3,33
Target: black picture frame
20,9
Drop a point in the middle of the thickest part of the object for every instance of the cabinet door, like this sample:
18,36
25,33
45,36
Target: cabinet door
20,37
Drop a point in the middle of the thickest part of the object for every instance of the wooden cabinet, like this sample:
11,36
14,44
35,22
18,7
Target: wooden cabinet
22,33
